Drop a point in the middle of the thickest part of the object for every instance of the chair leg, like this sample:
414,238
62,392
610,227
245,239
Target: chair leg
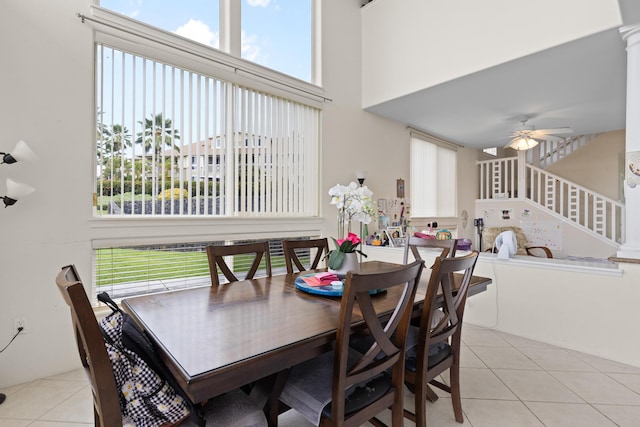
421,404
397,410
454,378
431,395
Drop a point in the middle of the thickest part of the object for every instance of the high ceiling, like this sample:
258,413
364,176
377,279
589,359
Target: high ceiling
581,85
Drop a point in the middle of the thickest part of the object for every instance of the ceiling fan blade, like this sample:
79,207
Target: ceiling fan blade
552,131
551,138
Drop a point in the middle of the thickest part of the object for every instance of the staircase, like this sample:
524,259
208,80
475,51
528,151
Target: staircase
514,178
547,153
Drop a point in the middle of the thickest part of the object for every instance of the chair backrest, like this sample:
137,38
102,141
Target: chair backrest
91,348
452,291
216,255
386,335
448,247
294,249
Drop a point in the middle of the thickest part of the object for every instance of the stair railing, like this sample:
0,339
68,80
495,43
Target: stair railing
547,152
512,178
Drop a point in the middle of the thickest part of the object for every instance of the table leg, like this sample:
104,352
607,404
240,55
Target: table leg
266,392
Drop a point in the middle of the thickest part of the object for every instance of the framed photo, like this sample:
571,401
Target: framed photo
400,188
396,236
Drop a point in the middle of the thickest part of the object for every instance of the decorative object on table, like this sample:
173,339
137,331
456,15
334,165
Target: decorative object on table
443,235
344,257
464,244
326,284
354,203
16,190
396,236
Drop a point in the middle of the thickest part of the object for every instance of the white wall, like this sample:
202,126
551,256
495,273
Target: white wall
46,84
598,166
435,29
582,307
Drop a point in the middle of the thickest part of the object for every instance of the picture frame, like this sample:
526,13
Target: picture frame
396,236
400,188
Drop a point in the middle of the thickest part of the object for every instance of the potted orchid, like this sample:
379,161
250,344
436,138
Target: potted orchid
354,203
344,246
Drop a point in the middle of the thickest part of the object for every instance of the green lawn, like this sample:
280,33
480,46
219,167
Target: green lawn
145,265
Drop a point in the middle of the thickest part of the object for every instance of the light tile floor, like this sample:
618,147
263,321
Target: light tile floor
506,381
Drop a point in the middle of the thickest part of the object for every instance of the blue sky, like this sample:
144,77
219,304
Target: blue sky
275,33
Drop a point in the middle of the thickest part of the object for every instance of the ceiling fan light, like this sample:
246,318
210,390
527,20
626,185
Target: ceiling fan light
523,143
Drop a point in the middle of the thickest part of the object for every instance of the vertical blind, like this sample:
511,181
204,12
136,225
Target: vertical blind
174,142
433,179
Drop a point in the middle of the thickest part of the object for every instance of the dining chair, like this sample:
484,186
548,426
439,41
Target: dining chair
434,346
294,250
231,409
345,387
216,256
448,247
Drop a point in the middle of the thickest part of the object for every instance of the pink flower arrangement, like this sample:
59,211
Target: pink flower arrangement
344,246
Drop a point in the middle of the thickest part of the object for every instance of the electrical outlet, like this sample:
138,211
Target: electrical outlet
20,322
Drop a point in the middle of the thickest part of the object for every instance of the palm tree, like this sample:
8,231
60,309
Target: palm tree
157,134
116,139
112,141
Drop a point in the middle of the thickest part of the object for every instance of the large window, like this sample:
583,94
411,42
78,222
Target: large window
277,34
433,177
272,33
160,127
194,146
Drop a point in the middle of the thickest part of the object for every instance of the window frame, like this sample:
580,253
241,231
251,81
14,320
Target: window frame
416,187
129,35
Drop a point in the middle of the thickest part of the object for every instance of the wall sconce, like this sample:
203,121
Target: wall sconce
360,175
17,190
21,153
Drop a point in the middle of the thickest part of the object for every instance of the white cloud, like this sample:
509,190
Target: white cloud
261,3
198,31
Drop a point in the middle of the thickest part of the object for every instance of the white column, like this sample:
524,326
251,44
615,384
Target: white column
230,22
631,245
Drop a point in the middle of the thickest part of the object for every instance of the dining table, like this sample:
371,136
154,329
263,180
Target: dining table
215,339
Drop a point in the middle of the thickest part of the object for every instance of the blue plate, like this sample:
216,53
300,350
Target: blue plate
333,290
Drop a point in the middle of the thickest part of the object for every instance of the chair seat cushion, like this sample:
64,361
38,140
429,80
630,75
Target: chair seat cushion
308,389
437,352
362,395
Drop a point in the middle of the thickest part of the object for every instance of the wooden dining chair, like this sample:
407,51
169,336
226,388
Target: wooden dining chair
216,256
434,346
448,247
231,409
294,250
345,387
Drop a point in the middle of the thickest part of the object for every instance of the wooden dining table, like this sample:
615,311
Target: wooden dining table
216,339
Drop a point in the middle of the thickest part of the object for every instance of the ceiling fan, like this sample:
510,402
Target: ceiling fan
526,136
